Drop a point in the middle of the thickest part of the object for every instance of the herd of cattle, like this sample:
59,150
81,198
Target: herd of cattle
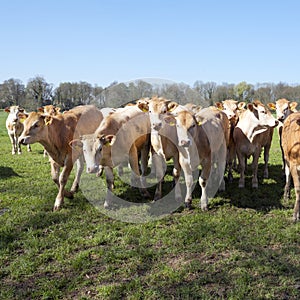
161,129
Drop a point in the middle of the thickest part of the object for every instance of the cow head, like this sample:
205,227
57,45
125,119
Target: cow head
157,108
185,122
14,113
231,108
49,110
35,127
92,148
263,116
283,108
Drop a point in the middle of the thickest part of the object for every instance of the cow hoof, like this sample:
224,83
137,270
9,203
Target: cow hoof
56,208
69,195
188,205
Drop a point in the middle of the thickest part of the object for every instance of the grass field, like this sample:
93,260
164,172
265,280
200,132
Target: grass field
245,247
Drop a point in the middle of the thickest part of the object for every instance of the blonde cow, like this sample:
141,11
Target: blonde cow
291,151
55,133
15,127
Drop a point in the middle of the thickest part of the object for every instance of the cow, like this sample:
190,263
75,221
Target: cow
253,131
194,150
291,150
121,136
283,109
217,128
164,143
15,127
232,109
55,133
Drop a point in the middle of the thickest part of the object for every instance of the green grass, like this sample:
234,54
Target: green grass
245,247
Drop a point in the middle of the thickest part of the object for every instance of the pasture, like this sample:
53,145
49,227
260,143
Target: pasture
245,247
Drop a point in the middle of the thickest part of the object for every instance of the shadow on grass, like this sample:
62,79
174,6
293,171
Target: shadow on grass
6,172
267,196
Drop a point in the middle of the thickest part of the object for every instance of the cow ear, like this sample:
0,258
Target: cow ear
293,106
219,105
48,120
143,105
250,106
57,109
241,105
171,106
108,140
272,106
40,109
23,116
170,120
76,145
199,120
7,109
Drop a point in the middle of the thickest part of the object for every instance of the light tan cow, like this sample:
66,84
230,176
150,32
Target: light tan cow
15,127
194,150
291,150
55,133
232,109
121,136
283,109
253,131
164,142
49,110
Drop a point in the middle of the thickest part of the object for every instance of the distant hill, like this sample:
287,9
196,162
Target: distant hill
155,82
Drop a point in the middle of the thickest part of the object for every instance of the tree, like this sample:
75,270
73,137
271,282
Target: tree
243,91
41,91
12,92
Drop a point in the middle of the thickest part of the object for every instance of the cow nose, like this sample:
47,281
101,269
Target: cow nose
185,143
157,126
276,122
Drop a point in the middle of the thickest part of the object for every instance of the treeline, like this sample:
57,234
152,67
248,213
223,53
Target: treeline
39,92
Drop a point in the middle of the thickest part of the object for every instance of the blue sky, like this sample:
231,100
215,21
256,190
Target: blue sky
117,40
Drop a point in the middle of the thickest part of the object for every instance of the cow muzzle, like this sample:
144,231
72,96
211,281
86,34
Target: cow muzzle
23,141
92,170
185,143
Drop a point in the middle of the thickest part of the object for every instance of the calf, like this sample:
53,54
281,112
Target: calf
15,127
164,142
194,150
55,133
121,136
291,151
253,131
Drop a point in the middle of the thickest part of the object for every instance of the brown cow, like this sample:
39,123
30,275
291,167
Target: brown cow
55,133
121,136
291,150
253,131
283,109
15,127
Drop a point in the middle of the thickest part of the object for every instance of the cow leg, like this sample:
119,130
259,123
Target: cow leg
176,175
134,164
63,178
28,148
80,167
255,167
206,168
13,144
159,164
109,175
54,171
18,145
188,177
266,160
242,164
295,174
287,182
144,165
